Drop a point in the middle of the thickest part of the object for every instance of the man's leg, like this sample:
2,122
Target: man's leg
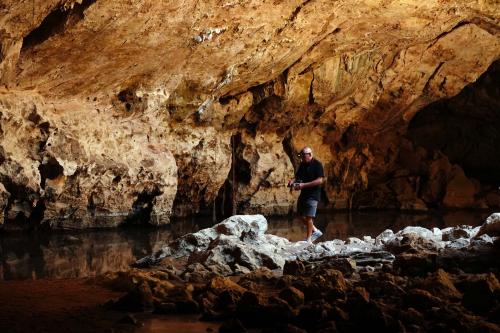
310,226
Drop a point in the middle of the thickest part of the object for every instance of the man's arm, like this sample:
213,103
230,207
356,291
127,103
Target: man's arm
318,181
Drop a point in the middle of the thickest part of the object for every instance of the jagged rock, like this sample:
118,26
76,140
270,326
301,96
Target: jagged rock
420,290
239,243
491,227
384,237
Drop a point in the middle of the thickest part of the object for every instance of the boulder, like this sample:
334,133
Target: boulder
239,244
491,226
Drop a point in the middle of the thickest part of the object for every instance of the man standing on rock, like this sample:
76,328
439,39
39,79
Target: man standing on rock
308,179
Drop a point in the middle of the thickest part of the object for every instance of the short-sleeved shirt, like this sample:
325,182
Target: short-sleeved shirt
306,173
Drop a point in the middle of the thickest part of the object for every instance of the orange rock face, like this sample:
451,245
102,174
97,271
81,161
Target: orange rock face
140,110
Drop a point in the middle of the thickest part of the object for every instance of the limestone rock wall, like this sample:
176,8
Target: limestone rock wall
125,111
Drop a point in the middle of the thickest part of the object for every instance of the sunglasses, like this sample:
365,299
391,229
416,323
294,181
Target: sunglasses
302,154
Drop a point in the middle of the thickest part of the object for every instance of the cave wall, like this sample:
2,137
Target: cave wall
126,111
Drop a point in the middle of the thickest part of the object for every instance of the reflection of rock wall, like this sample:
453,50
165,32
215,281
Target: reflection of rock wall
124,111
81,255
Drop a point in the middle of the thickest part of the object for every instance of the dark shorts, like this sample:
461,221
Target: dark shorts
307,207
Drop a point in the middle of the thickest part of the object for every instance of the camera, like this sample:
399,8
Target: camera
295,184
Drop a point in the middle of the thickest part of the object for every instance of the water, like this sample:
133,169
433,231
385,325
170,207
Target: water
84,254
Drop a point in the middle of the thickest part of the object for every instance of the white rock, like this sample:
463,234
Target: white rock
491,227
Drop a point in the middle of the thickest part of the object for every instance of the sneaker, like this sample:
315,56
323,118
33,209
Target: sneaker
316,234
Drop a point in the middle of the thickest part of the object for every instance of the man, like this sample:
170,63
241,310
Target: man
308,179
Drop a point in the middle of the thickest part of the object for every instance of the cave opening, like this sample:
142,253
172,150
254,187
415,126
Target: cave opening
50,169
142,208
465,128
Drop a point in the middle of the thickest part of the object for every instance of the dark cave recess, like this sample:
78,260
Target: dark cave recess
466,128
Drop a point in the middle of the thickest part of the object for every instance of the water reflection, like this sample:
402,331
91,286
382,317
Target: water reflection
69,255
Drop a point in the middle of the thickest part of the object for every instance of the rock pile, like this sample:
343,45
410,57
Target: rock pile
239,244
415,280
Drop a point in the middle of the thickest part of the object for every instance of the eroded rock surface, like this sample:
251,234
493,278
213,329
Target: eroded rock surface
140,109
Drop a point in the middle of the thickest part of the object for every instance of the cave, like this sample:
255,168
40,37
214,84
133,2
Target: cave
466,128
158,197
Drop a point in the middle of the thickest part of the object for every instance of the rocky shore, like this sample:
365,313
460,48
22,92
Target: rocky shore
413,280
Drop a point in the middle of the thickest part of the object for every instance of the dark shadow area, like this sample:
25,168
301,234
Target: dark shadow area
466,128
142,209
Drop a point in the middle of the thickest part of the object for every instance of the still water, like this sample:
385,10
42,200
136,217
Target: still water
83,254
